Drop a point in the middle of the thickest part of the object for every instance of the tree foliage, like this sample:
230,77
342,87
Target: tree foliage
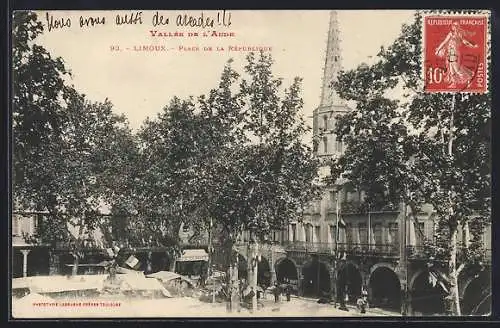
37,115
67,150
235,157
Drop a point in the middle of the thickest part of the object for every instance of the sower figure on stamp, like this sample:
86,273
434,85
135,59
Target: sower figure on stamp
456,73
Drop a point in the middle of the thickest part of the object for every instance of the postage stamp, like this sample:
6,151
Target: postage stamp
455,53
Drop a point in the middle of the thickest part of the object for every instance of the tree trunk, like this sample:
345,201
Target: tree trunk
452,264
253,272
77,250
232,274
452,269
74,271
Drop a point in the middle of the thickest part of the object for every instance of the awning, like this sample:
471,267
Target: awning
58,284
190,255
166,276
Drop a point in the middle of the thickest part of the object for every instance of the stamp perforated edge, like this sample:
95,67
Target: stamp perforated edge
459,13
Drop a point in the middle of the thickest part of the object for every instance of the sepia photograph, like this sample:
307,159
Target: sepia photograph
250,164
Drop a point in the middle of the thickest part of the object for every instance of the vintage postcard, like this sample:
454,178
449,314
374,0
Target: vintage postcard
246,163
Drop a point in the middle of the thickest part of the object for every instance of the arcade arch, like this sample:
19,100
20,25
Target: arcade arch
316,279
349,282
476,298
286,271
264,273
426,298
384,288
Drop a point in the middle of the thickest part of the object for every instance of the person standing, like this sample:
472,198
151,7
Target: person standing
249,299
242,286
276,293
235,298
362,302
288,292
343,298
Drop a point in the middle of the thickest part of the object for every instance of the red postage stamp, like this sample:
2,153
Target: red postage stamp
455,49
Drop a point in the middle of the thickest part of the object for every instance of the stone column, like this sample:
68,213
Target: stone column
273,277
149,262
333,281
409,309
365,277
300,282
404,273
25,261
369,288
171,262
272,267
404,300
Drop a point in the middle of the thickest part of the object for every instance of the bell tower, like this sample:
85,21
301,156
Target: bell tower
325,141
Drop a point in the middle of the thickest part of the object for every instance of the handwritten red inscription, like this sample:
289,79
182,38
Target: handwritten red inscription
455,53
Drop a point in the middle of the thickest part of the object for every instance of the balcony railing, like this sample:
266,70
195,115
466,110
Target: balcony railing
389,250
350,248
426,252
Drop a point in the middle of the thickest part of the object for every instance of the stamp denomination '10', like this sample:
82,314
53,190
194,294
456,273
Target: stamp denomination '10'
455,53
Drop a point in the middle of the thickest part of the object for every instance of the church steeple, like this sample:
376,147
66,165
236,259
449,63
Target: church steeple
333,63
331,105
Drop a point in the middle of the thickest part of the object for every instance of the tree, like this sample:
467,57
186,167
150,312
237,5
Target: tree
269,171
37,113
166,191
234,158
428,149
85,162
66,148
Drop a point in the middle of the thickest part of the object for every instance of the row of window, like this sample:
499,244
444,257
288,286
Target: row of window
313,233
357,234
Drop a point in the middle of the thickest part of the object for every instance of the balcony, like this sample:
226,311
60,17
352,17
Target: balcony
426,252
349,248
420,252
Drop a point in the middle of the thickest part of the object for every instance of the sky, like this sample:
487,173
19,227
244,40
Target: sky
141,83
